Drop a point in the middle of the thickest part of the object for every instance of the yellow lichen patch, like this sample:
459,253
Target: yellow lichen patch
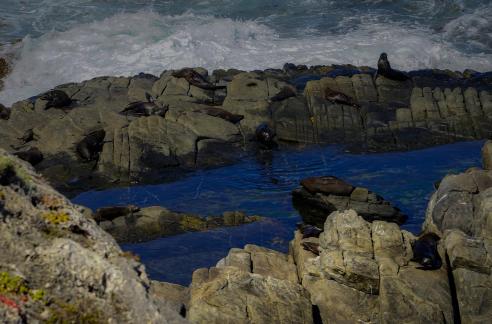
51,201
56,217
12,284
193,223
130,255
62,312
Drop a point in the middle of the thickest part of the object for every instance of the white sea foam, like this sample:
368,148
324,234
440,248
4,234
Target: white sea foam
126,44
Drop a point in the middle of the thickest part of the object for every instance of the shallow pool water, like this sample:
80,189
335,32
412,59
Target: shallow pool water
263,186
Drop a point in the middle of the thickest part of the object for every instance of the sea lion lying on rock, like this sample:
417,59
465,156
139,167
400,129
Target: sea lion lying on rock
221,113
4,112
89,148
142,109
286,92
327,185
339,98
384,69
265,137
56,99
196,79
309,230
425,252
32,155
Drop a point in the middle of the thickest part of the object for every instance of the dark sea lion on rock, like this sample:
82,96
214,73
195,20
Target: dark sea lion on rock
110,213
327,185
384,69
196,79
32,155
144,109
221,113
89,148
265,137
309,230
339,98
27,137
310,246
286,92
425,252
4,112
56,99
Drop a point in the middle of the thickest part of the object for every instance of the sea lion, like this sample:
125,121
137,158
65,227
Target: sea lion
32,155
311,246
56,99
196,79
221,113
339,98
89,148
327,185
141,108
384,69
286,92
265,136
4,112
309,230
27,137
110,213
425,252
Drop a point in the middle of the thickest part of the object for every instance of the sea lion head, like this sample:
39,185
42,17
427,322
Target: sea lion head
383,56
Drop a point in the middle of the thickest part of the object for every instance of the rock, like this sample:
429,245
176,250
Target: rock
59,265
320,196
487,155
132,224
4,112
228,294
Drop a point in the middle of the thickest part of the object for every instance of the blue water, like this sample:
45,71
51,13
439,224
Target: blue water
263,188
73,40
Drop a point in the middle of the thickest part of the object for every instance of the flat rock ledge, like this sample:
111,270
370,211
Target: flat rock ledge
130,224
200,128
58,266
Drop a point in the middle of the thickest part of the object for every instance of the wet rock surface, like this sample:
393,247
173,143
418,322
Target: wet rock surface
56,265
320,196
207,120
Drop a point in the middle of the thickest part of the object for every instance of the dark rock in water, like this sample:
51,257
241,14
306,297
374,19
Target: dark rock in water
4,112
311,246
265,137
89,148
111,213
328,194
32,155
221,113
196,79
384,69
56,99
327,185
290,67
309,230
425,252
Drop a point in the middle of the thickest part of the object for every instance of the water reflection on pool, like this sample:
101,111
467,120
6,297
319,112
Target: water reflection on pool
262,187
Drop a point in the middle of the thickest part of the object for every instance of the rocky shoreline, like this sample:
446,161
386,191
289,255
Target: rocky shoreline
353,269
112,131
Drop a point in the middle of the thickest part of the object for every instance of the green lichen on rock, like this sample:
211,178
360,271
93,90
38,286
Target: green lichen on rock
193,223
56,217
61,312
12,284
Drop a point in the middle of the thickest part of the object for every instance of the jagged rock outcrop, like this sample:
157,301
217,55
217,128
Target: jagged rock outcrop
56,265
131,224
318,197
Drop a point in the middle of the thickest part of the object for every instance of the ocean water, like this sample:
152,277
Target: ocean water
260,187
50,42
